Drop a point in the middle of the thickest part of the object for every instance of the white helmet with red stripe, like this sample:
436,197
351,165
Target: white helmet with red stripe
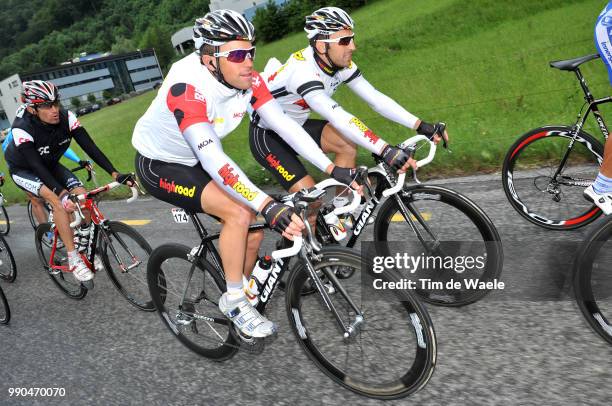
39,91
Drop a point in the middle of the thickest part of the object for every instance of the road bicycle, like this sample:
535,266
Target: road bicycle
433,219
5,310
123,252
5,223
593,281
546,170
91,176
378,347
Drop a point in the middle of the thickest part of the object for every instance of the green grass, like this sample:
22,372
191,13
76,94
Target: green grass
479,65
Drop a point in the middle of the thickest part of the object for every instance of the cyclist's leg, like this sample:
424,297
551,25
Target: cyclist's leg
333,141
237,247
38,208
274,154
72,184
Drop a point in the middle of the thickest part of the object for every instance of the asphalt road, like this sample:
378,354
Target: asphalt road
527,344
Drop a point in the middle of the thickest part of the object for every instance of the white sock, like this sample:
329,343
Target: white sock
235,290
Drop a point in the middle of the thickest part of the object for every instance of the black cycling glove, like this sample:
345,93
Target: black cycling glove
277,215
394,157
345,175
125,178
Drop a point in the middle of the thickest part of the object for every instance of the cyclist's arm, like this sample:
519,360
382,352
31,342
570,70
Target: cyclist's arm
89,146
25,145
381,103
294,135
70,154
195,126
349,125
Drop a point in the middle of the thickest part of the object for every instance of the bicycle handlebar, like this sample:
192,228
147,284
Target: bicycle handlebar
420,163
78,198
289,252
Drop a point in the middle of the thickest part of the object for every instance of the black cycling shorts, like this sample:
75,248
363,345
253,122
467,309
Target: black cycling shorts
179,185
30,182
274,154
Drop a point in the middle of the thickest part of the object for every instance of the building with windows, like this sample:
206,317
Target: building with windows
10,99
118,74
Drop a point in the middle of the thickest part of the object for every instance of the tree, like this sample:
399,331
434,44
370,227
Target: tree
76,102
91,98
107,94
158,37
123,45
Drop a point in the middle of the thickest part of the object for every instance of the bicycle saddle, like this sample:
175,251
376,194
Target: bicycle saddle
572,64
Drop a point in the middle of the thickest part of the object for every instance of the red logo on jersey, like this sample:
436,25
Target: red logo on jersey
302,103
369,134
231,180
238,115
22,140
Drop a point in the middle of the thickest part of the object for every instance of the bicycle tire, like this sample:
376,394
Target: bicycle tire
528,184
162,272
31,216
460,220
5,310
416,361
8,268
131,284
6,227
589,261
70,288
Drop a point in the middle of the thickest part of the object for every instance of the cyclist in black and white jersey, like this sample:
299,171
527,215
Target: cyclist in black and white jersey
42,132
306,83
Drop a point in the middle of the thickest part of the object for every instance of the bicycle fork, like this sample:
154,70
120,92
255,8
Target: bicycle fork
348,331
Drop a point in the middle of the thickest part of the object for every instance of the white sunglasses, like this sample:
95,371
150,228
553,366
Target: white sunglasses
344,41
237,55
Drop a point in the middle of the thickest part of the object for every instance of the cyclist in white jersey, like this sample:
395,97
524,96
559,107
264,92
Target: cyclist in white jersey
306,83
178,139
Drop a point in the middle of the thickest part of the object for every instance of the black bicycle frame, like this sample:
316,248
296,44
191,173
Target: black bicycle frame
592,107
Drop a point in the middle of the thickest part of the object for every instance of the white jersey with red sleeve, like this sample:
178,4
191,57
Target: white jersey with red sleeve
190,94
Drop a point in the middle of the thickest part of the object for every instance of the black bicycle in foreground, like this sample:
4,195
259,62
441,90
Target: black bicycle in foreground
378,346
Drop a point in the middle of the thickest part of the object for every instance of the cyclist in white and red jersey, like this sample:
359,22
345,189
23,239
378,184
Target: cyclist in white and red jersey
306,83
180,159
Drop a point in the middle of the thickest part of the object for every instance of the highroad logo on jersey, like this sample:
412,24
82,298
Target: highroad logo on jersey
171,187
369,134
275,164
231,180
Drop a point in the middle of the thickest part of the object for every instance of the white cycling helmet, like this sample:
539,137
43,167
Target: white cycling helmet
39,91
326,21
221,26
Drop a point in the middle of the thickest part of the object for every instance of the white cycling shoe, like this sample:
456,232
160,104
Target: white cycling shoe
603,201
244,316
80,271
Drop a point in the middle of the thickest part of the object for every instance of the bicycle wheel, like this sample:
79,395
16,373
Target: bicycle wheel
8,269
593,281
5,310
450,225
536,194
32,217
186,296
391,354
65,281
124,253
5,224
